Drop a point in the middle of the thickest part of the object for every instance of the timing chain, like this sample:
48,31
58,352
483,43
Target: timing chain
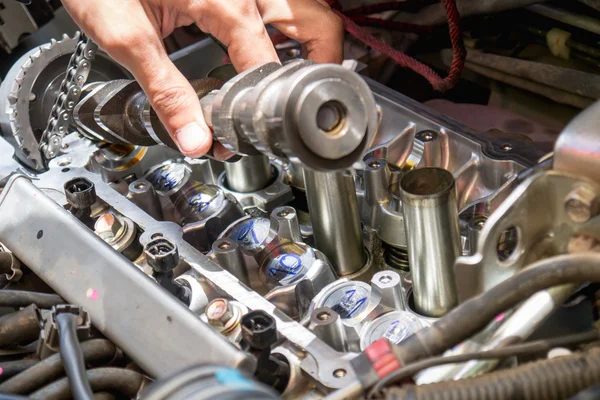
68,95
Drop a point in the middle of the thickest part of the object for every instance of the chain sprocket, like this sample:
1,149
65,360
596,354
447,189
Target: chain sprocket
29,91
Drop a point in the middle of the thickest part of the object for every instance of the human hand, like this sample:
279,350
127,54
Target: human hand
131,32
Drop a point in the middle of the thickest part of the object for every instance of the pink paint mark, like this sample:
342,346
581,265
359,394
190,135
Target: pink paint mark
499,317
1,370
92,294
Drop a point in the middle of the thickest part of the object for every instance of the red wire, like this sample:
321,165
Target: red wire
458,48
391,25
387,6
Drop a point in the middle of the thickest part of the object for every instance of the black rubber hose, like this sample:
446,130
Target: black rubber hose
72,356
103,396
471,316
20,327
12,368
557,378
20,298
95,351
207,382
115,380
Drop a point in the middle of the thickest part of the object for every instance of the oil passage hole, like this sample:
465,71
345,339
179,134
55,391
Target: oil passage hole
330,116
323,316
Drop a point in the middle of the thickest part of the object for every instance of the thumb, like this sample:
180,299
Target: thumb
174,100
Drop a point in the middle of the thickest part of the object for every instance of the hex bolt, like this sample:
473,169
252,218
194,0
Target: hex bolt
581,204
162,255
219,312
109,227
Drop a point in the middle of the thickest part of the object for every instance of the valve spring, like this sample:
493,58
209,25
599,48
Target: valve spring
396,257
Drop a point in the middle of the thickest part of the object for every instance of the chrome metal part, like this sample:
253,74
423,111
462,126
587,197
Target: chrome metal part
110,286
576,149
142,194
68,95
533,228
249,174
268,109
257,233
285,221
327,325
29,89
276,194
431,221
395,326
229,256
334,216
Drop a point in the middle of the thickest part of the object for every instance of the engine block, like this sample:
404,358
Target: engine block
181,262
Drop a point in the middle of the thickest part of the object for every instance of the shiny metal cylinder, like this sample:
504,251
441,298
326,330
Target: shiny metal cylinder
334,215
431,222
230,258
285,221
328,327
389,284
142,194
248,174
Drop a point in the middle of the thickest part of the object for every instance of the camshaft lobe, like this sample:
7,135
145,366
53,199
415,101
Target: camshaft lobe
323,116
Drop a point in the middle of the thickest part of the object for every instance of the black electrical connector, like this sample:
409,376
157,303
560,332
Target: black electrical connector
162,256
259,330
81,195
64,327
49,342
259,333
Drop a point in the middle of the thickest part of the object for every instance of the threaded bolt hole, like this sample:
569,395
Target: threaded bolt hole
224,245
339,373
323,316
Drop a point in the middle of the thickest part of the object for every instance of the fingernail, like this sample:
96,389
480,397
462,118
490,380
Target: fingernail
191,138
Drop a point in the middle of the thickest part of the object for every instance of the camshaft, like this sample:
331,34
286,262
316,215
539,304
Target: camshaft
324,116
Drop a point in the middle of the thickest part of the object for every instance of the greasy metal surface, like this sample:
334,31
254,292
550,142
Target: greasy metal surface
222,108
577,148
320,360
536,210
91,274
335,220
248,174
431,222
454,147
40,72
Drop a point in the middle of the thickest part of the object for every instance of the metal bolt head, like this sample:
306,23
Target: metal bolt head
109,227
219,312
161,254
581,204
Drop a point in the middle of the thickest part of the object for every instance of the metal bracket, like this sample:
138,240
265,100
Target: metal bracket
538,211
